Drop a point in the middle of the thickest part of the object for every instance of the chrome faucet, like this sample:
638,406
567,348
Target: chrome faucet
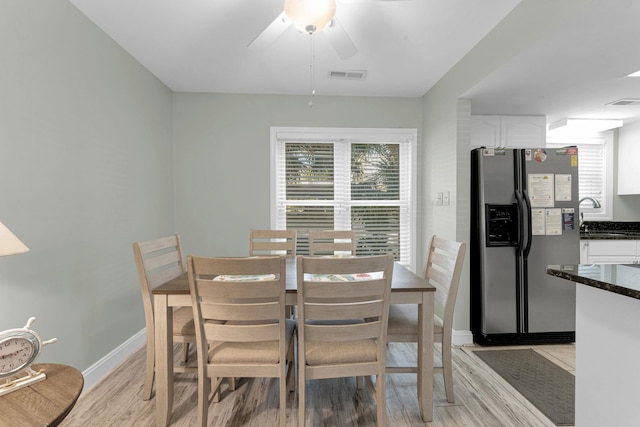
596,204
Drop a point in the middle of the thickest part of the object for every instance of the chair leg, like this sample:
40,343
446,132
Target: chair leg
214,391
381,399
283,397
150,373
447,371
291,379
204,387
301,397
185,352
291,370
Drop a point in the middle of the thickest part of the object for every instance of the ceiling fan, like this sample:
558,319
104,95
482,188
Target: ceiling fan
309,16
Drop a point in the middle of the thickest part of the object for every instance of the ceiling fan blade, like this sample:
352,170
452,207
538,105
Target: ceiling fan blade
340,40
271,33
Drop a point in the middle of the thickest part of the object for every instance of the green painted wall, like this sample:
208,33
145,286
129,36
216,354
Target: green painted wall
87,168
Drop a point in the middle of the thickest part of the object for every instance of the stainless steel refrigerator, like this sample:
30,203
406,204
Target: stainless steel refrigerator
524,216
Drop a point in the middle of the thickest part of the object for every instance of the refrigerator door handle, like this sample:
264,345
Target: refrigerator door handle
527,248
520,207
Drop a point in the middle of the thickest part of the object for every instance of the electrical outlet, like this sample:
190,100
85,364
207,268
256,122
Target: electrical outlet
445,198
439,199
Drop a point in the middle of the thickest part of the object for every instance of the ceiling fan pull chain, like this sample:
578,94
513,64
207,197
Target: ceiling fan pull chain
311,69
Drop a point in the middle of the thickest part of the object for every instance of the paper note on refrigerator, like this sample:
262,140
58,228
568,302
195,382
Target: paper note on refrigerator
563,187
538,222
553,222
541,186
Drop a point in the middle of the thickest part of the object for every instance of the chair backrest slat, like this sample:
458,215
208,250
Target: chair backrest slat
242,333
443,260
344,290
160,244
272,242
241,312
347,332
162,260
359,311
245,292
331,242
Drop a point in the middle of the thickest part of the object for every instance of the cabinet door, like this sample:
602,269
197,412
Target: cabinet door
524,131
485,131
584,252
508,131
628,154
612,251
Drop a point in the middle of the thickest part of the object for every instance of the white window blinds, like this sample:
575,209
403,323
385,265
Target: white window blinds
595,172
592,171
354,181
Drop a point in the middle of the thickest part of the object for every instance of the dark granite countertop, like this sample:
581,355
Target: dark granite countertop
623,279
610,230
609,235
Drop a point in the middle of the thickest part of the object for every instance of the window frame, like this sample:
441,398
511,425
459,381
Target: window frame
605,213
279,135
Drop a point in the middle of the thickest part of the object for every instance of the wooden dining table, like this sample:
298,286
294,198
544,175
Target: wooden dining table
406,288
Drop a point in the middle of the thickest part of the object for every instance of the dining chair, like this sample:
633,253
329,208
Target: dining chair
270,242
241,327
159,261
335,295
443,268
332,242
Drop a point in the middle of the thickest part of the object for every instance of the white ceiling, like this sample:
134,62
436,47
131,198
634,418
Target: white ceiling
405,46
574,71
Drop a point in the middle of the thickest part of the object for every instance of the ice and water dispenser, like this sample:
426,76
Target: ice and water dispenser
502,225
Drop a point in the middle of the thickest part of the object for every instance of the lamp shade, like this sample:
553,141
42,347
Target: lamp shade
310,15
9,243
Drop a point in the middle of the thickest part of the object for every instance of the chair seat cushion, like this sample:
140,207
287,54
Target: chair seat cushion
183,321
336,322
245,277
339,352
261,352
403,319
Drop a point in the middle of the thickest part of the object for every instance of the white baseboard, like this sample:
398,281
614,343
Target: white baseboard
104,366
462,338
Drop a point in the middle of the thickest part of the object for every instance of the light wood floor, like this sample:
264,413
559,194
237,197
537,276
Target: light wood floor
482,398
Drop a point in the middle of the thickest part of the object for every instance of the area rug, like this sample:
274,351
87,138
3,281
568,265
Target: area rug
547,386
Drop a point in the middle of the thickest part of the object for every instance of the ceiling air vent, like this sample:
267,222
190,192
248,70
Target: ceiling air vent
348,75
624,102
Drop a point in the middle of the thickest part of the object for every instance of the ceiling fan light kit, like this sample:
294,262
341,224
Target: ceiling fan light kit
310,15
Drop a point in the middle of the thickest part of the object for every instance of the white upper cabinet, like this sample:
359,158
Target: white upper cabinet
628,155
508,131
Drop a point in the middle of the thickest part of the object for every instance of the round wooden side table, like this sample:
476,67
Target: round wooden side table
45,403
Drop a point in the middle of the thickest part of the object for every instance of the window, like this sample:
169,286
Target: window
595,172
346,179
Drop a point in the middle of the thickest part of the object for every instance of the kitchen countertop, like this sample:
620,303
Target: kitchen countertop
610,235
610,230
623,279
